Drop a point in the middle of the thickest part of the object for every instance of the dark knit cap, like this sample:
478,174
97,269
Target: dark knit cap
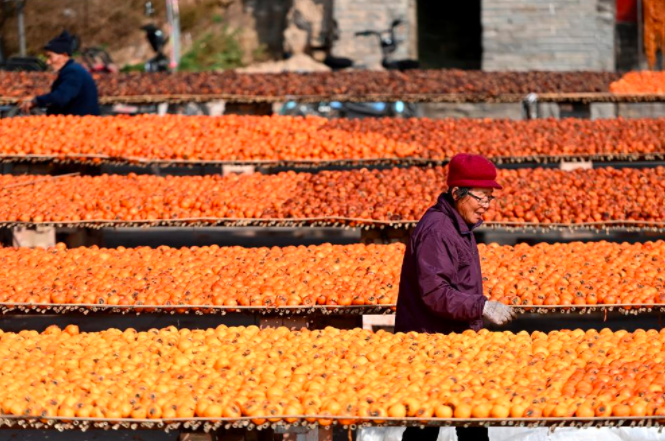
62,44
467,170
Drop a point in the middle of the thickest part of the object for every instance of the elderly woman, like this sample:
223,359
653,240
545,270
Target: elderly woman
74,91
441,287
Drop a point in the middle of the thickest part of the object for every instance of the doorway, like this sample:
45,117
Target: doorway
449,34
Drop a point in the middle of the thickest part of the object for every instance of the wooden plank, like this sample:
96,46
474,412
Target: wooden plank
581,165
40,237
373,321
238,169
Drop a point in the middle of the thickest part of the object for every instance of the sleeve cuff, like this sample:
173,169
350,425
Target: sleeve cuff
483,302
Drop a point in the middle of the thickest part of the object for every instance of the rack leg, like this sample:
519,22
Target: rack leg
248,109
387,235
83,237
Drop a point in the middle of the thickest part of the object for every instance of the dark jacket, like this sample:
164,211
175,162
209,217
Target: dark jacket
441,287
73,93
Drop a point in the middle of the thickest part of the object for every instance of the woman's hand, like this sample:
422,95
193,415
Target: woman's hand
497,312
27,104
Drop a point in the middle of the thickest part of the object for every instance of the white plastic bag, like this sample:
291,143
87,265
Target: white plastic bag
575,434
380,434
517,434
395,434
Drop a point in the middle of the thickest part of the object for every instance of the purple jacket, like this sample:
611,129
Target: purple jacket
441,287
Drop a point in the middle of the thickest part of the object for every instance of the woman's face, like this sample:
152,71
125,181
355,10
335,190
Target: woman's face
56,61
474,205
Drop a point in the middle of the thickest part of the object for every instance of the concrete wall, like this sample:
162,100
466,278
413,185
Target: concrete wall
548,34
358,15
641,110
545,110
472,110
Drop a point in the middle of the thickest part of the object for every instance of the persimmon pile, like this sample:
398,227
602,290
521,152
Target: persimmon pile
580,274
640,82
530,196
228,276
277,375
654,30
283,138
356,84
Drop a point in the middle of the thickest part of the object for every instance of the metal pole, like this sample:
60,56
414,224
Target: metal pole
640,35
176,34
173,15
21,28
85,16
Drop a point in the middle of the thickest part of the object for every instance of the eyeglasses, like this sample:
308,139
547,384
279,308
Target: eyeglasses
482,201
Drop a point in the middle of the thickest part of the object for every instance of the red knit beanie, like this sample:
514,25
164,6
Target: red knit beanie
466,170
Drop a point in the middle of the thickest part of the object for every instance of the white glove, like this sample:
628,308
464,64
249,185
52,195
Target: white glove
497,312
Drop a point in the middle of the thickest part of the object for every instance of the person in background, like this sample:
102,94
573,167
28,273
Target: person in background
441,286
74,91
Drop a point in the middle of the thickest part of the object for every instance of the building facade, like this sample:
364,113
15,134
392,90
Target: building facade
487,34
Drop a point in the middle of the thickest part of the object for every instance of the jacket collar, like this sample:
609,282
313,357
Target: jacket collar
445,205
67,64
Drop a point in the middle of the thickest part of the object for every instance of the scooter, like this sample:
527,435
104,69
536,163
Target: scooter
389,44
94,59
336,109
15,64
97,60
158,63
157,40
24,64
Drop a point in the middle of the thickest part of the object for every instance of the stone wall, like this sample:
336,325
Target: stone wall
548,34
358,15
